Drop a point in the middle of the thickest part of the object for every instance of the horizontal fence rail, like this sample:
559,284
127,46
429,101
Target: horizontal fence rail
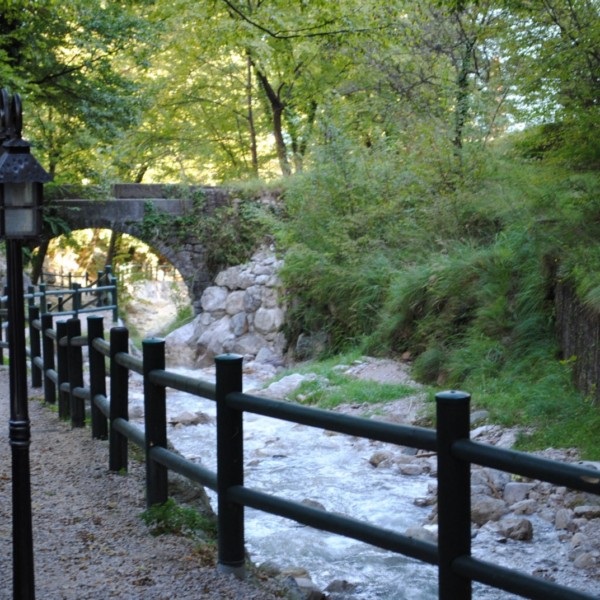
61,367
98,295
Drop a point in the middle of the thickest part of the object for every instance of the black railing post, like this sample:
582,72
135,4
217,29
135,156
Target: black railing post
76,298
48,351
30,295
43,300
454,494
62,356
115,298
99,280
97,377
230,466
119,399
35,346
2,309
75,354
155,421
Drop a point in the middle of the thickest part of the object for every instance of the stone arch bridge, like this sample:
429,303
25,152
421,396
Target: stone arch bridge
129,208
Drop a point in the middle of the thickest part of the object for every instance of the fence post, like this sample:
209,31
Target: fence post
43,299
75,354
64,407
454,494
99,283
48,351
35,346
2,308
155,421
115,298
230,466
97,377
119,399
76,298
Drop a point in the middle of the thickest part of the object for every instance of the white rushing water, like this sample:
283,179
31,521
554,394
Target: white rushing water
303,463
306,464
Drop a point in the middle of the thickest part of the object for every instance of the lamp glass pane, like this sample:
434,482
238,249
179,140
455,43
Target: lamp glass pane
19,194
19,222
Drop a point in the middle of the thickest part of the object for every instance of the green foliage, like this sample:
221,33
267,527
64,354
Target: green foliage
231,233
158,225
178,520
470,296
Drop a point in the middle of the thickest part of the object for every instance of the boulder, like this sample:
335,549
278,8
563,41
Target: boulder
486,508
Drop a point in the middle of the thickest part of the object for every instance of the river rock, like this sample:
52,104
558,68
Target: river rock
587,512
422,534
486,508
380,457
516,529
515,491
563,518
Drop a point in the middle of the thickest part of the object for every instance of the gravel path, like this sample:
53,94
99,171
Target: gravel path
89,542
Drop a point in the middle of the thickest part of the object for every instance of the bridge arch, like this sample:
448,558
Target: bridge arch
125,210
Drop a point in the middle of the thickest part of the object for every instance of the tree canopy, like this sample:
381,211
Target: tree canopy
181,90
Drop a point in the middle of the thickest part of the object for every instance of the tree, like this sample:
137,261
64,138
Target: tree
249,78
553,50
72,63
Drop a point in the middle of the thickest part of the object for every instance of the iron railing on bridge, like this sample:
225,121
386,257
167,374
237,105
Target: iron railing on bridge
61,368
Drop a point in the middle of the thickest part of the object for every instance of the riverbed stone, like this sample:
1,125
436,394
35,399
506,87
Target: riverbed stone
587,512
486,508
517,529
563,518
422,534
412,469
515,491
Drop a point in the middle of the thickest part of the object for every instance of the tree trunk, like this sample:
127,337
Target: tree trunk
462,100
249,99
37,262
113,246
277,108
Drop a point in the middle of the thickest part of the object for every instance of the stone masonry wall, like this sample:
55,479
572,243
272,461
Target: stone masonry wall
241,314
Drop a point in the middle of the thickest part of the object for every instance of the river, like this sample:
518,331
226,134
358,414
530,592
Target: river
306,464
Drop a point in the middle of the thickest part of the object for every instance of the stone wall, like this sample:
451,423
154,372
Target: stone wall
241,314
579,336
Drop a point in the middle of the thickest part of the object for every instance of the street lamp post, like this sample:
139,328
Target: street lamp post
21,197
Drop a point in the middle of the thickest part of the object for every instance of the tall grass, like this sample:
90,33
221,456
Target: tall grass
460,277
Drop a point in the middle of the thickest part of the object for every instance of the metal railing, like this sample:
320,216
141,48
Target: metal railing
99,295
63,383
